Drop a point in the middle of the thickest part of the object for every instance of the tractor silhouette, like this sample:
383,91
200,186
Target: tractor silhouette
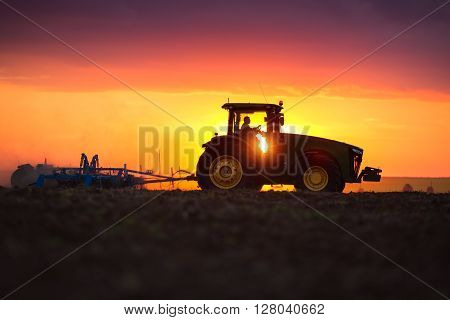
249,158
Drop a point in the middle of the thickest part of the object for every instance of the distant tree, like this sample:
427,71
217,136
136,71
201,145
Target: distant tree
408,188
430,189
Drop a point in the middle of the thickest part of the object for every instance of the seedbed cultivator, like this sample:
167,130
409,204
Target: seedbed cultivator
91,174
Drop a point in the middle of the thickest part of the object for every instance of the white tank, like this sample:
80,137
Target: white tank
26,174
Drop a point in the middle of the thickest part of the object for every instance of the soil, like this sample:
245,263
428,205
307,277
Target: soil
224,245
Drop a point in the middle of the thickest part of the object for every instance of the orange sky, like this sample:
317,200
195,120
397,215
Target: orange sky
54,104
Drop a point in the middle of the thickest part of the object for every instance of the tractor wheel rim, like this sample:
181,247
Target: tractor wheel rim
225,172
315,178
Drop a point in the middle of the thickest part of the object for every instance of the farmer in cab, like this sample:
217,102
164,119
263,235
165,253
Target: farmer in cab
246,125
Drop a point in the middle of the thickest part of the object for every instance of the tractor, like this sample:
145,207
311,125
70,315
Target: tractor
254,157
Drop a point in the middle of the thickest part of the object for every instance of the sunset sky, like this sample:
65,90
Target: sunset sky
189,57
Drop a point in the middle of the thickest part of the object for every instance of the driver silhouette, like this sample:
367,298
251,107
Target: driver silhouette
246,125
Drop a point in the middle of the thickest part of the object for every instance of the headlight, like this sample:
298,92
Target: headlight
357,151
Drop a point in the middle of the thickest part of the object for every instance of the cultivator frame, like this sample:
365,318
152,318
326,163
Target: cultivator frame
91,174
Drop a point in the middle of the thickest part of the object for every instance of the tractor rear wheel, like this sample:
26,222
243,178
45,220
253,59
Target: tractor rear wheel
223,172
322,174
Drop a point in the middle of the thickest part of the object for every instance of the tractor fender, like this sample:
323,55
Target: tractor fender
223,144
324,153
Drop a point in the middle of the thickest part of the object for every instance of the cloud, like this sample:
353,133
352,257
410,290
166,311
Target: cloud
199,45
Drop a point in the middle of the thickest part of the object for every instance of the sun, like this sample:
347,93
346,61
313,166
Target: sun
262,143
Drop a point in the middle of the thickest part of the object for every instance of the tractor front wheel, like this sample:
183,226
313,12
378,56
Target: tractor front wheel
322,174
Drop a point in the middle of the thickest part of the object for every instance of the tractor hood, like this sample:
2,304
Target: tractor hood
323,141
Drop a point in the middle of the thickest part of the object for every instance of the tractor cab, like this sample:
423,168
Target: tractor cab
272,116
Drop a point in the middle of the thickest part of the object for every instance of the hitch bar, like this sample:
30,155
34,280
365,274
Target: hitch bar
370,174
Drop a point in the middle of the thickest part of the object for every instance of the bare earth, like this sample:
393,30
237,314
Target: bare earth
219,245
